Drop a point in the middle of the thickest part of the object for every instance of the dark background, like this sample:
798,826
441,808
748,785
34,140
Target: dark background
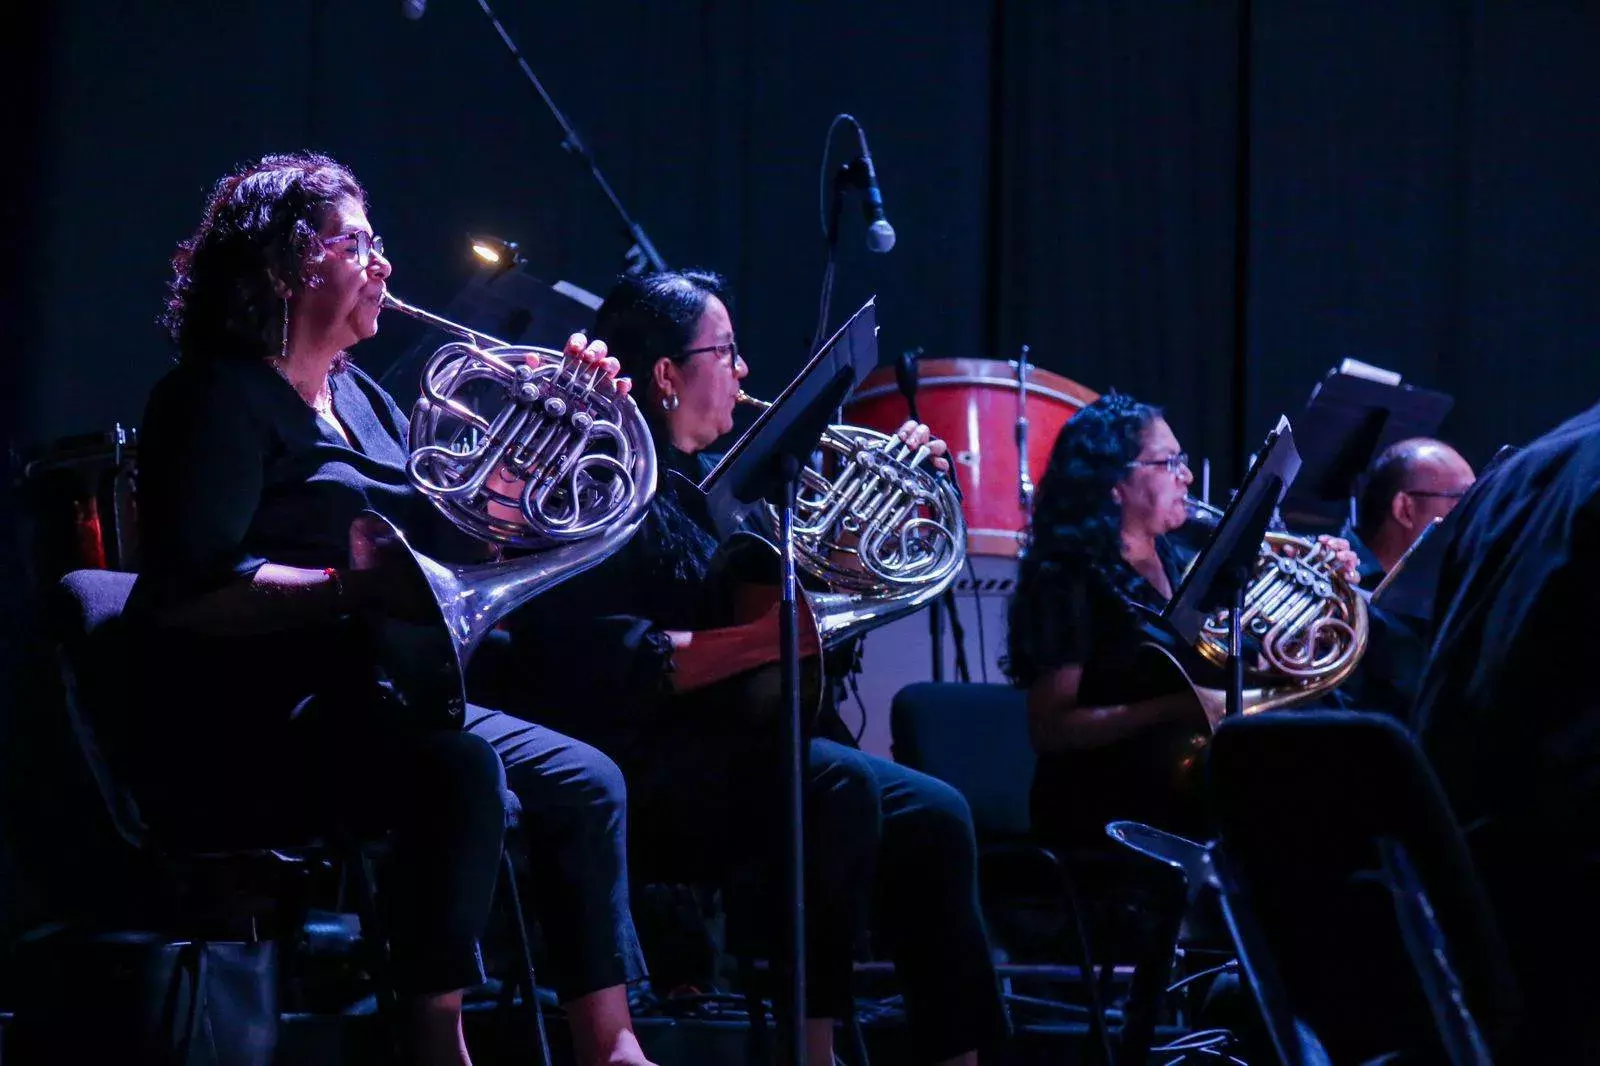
1410,184
1417,181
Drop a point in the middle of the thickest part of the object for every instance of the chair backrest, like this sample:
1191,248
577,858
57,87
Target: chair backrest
1330,828
975,738
81,613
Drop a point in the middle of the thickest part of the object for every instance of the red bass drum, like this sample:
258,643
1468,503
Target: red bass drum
974,405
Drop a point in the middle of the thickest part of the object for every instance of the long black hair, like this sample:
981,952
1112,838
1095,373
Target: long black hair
258,232
644,319
1077,524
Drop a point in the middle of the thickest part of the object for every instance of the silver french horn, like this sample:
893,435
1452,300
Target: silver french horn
519,447
885,533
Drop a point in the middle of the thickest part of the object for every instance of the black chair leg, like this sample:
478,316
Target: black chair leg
1089,976
376,943
1150,977
857,1039
524,976
758,1042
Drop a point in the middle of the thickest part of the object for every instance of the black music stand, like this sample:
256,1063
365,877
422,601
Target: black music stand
1348,419
1219,577
765,464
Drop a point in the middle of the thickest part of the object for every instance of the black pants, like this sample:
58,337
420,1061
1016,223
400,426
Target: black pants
437,797
277,740
884,845
574,829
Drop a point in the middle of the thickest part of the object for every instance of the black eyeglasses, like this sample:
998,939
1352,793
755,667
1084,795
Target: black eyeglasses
1172,462
1421,494
729,351
366,244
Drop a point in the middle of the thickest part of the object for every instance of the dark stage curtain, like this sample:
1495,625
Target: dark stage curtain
1424,198
1115,213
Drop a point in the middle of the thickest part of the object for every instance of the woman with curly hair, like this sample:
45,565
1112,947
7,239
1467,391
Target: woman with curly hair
256,453
1100,563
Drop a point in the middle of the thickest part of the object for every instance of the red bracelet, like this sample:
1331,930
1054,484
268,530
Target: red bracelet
338,587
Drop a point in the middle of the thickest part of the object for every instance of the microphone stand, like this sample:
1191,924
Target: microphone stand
906,376
642,254
794,758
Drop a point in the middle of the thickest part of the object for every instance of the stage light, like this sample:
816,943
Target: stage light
495,253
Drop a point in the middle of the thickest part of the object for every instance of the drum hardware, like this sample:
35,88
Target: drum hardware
1024,481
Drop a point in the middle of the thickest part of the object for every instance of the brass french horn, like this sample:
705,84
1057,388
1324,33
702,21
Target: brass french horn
1305,625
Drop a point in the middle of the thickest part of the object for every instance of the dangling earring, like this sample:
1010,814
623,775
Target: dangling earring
669,402
283,350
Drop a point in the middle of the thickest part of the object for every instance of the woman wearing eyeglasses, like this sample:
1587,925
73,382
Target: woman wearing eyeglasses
1099,553
256,453
688,706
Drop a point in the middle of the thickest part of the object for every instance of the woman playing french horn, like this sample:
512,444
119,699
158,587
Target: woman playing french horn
1100,555
257,452
687,705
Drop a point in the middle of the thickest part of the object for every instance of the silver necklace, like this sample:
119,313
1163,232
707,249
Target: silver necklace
322,403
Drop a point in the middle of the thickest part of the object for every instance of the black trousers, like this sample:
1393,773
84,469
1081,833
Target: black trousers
886,848
281,739
437,797
574,829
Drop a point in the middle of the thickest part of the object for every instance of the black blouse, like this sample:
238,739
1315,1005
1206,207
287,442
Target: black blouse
1075,613
598,643
236,470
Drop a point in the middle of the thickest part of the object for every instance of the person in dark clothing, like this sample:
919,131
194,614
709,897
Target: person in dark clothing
1510,718
1412,484
1113,737
256,453
687,703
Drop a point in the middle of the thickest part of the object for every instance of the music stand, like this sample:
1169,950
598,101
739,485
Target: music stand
1409,587
1219,577
765,463
1350,417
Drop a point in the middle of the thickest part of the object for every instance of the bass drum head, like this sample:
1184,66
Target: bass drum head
902,652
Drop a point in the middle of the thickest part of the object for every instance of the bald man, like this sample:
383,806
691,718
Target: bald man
1409,485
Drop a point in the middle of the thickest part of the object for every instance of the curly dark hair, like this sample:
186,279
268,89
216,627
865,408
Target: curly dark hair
646,318
1074,512
258,232
1077,525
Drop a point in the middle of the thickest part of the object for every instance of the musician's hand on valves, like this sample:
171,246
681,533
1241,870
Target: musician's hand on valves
507,484
594,353
917,434
1345,555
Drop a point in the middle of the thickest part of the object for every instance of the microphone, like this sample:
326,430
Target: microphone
880,235
413,9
